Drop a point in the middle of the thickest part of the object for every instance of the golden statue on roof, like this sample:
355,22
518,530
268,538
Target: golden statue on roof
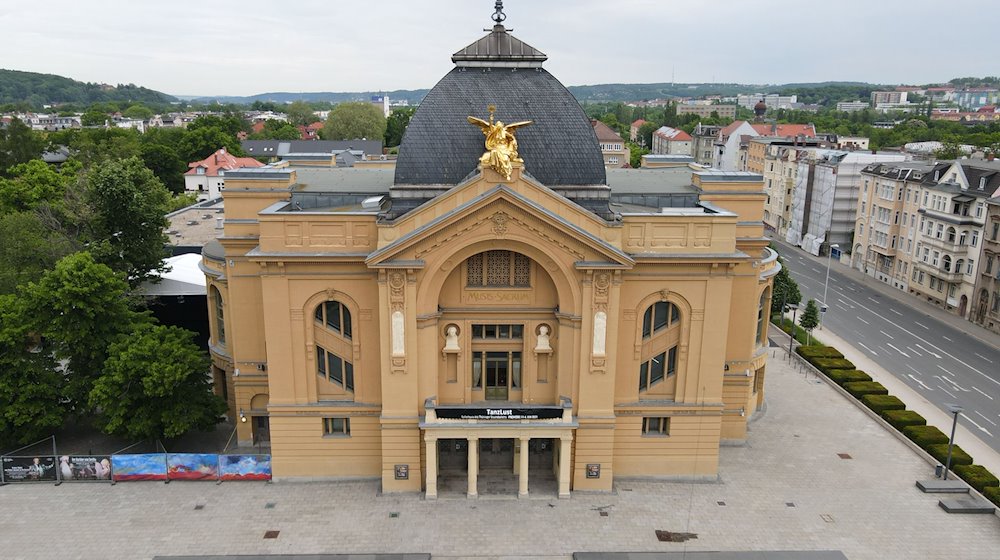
501,145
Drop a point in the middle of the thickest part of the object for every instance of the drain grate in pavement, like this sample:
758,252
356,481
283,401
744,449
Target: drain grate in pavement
667,536
269,505
393,514
789,504
271,534
199,507
720,503
827,517
603,513
844,455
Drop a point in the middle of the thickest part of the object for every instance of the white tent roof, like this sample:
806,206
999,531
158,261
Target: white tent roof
182,278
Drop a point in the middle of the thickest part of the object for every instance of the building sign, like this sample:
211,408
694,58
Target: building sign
402,472
29,469
593,470
522,413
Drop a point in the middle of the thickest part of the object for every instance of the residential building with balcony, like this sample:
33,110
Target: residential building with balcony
703,142
986,303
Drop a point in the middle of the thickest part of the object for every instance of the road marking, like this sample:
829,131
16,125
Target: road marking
938,356
957,386
946,338
947,391
896,312
973,422
863,321
984,418
847,304
920,382
868,349
976,389
984,357
873,299
817,271
919,325
910,348
913,370
905,355
889,335
842,307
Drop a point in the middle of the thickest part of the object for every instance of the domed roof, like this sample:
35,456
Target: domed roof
440,147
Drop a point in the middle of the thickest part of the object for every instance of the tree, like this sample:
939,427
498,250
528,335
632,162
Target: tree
785,291
94,117
300,113
948,150
277,130
202,142
28,249
646,133
230,123
31,386
34,183
396,125
164,162
635,154
140,112
357,120
810,318
129,205
81,307
18,144
155,385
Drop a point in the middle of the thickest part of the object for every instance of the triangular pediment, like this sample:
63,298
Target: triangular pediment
502,208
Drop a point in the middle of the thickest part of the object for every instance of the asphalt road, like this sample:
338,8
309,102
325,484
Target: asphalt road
941,362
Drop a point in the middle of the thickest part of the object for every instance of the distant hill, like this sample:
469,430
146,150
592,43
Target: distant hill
584,94
41,89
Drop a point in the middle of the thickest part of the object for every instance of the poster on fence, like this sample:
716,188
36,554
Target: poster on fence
151,466
74,468
29,469
192,466
245,467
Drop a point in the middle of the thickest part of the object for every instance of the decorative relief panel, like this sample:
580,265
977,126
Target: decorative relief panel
293,235
328,235
669,236
636,236
703,236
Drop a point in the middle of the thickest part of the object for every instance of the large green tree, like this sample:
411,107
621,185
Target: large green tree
355,120
81,308
31,387
166,164
28,248
202,142
396,125
785,291
138,112
18,144
300,113
277,130
34,183
155,384
810,317
129,204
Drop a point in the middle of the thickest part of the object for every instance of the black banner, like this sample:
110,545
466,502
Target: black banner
87,467
500,413
29,469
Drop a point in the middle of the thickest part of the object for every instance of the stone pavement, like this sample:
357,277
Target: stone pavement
787,489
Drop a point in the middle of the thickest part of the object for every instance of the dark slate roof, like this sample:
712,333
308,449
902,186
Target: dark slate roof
499,46
269,148
440,147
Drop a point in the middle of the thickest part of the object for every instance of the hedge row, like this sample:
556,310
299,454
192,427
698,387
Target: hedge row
876,397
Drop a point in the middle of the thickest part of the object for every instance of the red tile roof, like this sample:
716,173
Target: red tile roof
604,132
221,160
786,130
672,134
638,123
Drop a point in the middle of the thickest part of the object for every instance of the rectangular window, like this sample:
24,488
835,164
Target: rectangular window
656,426
337,427
975,238
336,368
657,368
970,266
672,361
321,361
477,370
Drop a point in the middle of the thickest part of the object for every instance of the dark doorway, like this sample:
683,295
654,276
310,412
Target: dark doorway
496,454
540,454
261,430
453,455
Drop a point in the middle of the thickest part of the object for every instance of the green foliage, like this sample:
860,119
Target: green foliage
231,123
34,183
810,352
958,455
350,121
38,89
396,125
949,150
81,307
182,200
30,384
925,435
129,205
27,249
95,146
277,130
900,419
18,144
992,493
138,112
859,388
635,154
810,317
882,403
202,142
842,376
828,364
978,476
800,334
166,164
94,117
785,290
155,385
300,113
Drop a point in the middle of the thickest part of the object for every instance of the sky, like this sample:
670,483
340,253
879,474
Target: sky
246,47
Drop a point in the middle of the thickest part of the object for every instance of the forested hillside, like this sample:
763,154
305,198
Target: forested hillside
39,89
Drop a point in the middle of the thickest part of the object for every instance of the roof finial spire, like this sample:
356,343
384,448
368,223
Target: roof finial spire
499,17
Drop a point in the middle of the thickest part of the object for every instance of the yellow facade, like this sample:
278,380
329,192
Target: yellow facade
589,283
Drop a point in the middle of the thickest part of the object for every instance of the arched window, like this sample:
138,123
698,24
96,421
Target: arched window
660,337
946,263
498,269
220,316
334,349
762,317
951,235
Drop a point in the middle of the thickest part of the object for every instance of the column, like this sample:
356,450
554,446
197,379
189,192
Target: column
432,472
522,476
473,467
565,445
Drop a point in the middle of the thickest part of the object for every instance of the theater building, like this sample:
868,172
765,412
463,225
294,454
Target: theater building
499,305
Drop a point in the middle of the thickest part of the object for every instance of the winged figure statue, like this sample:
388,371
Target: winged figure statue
501,145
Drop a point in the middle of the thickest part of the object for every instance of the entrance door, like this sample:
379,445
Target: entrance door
261,429
453,455
496,375
496,453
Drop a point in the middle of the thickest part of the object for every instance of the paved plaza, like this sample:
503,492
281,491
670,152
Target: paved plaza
787,489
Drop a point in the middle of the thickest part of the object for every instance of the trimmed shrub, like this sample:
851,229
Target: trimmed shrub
903,418
958,455
882,403
827,364
978,476
925,435
842,376
992,494
808,352
859,388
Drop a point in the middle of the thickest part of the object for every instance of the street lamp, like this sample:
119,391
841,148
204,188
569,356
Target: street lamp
826,285
791,336
956,410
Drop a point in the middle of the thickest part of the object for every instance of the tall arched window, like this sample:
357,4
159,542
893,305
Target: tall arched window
762,318
334,349
660,337
220,316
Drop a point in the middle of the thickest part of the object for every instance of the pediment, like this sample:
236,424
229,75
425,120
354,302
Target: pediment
503,212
